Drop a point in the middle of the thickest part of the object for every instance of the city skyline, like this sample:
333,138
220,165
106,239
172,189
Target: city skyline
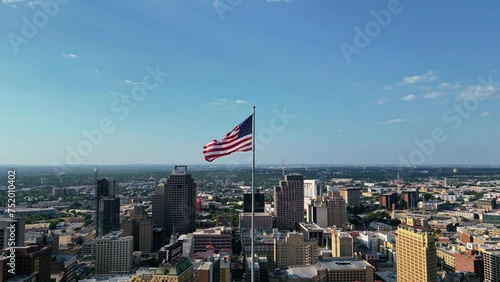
321,98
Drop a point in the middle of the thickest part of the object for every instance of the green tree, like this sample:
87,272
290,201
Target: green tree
53,224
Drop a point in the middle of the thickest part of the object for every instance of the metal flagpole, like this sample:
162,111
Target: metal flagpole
252,234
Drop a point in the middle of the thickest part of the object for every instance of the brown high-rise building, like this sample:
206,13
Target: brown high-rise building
140,227
294,250
389,200
174,203
470,261
108,206
416,252
352,196
342,243
30,260
328,210
410,198
289,201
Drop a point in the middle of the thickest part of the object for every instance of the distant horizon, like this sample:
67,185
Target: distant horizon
257,165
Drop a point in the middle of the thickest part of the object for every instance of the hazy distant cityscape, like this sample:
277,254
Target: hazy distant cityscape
312,223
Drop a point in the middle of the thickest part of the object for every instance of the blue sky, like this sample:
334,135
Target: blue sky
372,107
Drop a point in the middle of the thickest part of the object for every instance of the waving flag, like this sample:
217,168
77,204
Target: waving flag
237,140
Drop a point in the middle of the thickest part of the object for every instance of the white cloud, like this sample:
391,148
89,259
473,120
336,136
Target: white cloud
69,55
485,114
387,87
428,76
131,82
12,3
241,102
392,121
479,92
409,98
452,85
433,95
380,101
340,130
219,102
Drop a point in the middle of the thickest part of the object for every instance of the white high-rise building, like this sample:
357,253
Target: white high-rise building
311,188
370,240
311,191
114,253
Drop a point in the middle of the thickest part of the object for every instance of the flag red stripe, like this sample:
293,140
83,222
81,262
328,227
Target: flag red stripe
213,157
227,146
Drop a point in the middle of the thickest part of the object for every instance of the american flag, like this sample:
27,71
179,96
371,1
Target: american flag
237,140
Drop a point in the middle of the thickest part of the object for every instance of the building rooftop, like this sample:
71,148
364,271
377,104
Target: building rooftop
115,235
311,226
308,272
387,276
22,278
343,264
174,267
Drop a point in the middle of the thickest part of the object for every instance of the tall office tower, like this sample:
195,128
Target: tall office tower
416,252
389,200
342,243
491,266
108,214
34,262
327,211
311,191
337,210
10,226
294,250
140,227
259,202
289,201
410,198
108,206
352,196
174,203
114,253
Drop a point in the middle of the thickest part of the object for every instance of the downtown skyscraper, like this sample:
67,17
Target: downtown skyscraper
289,201
174,203
416,251
108,207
